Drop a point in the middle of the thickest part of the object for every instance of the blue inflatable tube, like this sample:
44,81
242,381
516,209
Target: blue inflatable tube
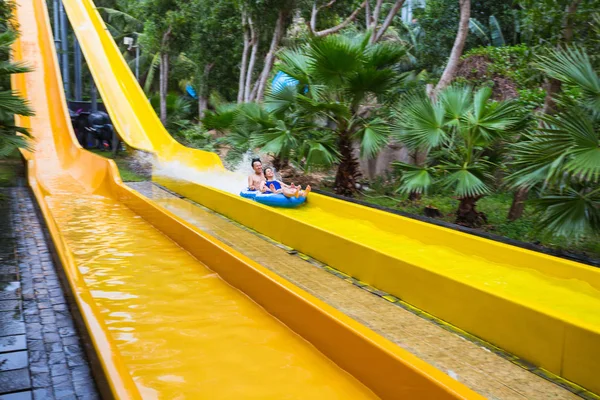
249,194
273,200
279,200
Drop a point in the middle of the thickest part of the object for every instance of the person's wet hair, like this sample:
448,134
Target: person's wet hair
269,168
255,160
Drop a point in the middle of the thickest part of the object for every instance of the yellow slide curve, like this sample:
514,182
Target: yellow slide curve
172,312
538,307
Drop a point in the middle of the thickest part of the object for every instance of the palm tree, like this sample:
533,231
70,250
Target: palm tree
11,104
341,82
290,137
457,130
561,158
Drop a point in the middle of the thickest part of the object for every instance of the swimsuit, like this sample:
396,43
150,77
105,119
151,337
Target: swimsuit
275,184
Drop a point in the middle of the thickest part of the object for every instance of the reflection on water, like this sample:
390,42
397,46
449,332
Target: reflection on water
182,331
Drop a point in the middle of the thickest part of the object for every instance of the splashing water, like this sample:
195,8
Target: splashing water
228,181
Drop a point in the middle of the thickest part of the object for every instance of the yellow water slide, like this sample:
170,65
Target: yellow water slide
171,312
541,308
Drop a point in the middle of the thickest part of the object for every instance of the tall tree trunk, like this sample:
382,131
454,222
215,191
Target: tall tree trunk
467,213
375,20
203,92
378,34
164,75
553,86
244,65
249,72
325,32
348,169
270,57
457,48
164,87
518,204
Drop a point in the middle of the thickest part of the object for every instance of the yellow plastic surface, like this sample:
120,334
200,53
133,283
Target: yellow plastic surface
162,323
528,303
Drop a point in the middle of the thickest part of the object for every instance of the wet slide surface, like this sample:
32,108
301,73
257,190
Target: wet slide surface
181,330
574,299
362,239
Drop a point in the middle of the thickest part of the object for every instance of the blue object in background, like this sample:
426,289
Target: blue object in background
190,90
283,80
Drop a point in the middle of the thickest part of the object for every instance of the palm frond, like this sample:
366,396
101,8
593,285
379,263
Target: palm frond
384,54
573,66
496,32
7,38
420,123
368,80
490,120
414,179
11,104
465,182
479,30
151,72
334,57
9,142
221,119
281,100
320,150
373,136
457,101
572,213
577,134
294,63
9,68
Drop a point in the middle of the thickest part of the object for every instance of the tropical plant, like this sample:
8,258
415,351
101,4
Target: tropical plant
341,82
562,157
458,131
290,137
197,137
11,104
179,111
491,36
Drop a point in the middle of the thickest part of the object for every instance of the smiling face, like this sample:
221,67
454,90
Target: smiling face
269,173
257,167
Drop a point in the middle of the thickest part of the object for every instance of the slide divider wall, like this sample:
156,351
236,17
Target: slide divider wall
564,347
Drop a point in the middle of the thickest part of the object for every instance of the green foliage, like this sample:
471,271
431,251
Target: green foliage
491,35
456,130
509,70
290,137
439,22
179,111
562,157
513,62
543,21
197,137
346,77
11,104
216,41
